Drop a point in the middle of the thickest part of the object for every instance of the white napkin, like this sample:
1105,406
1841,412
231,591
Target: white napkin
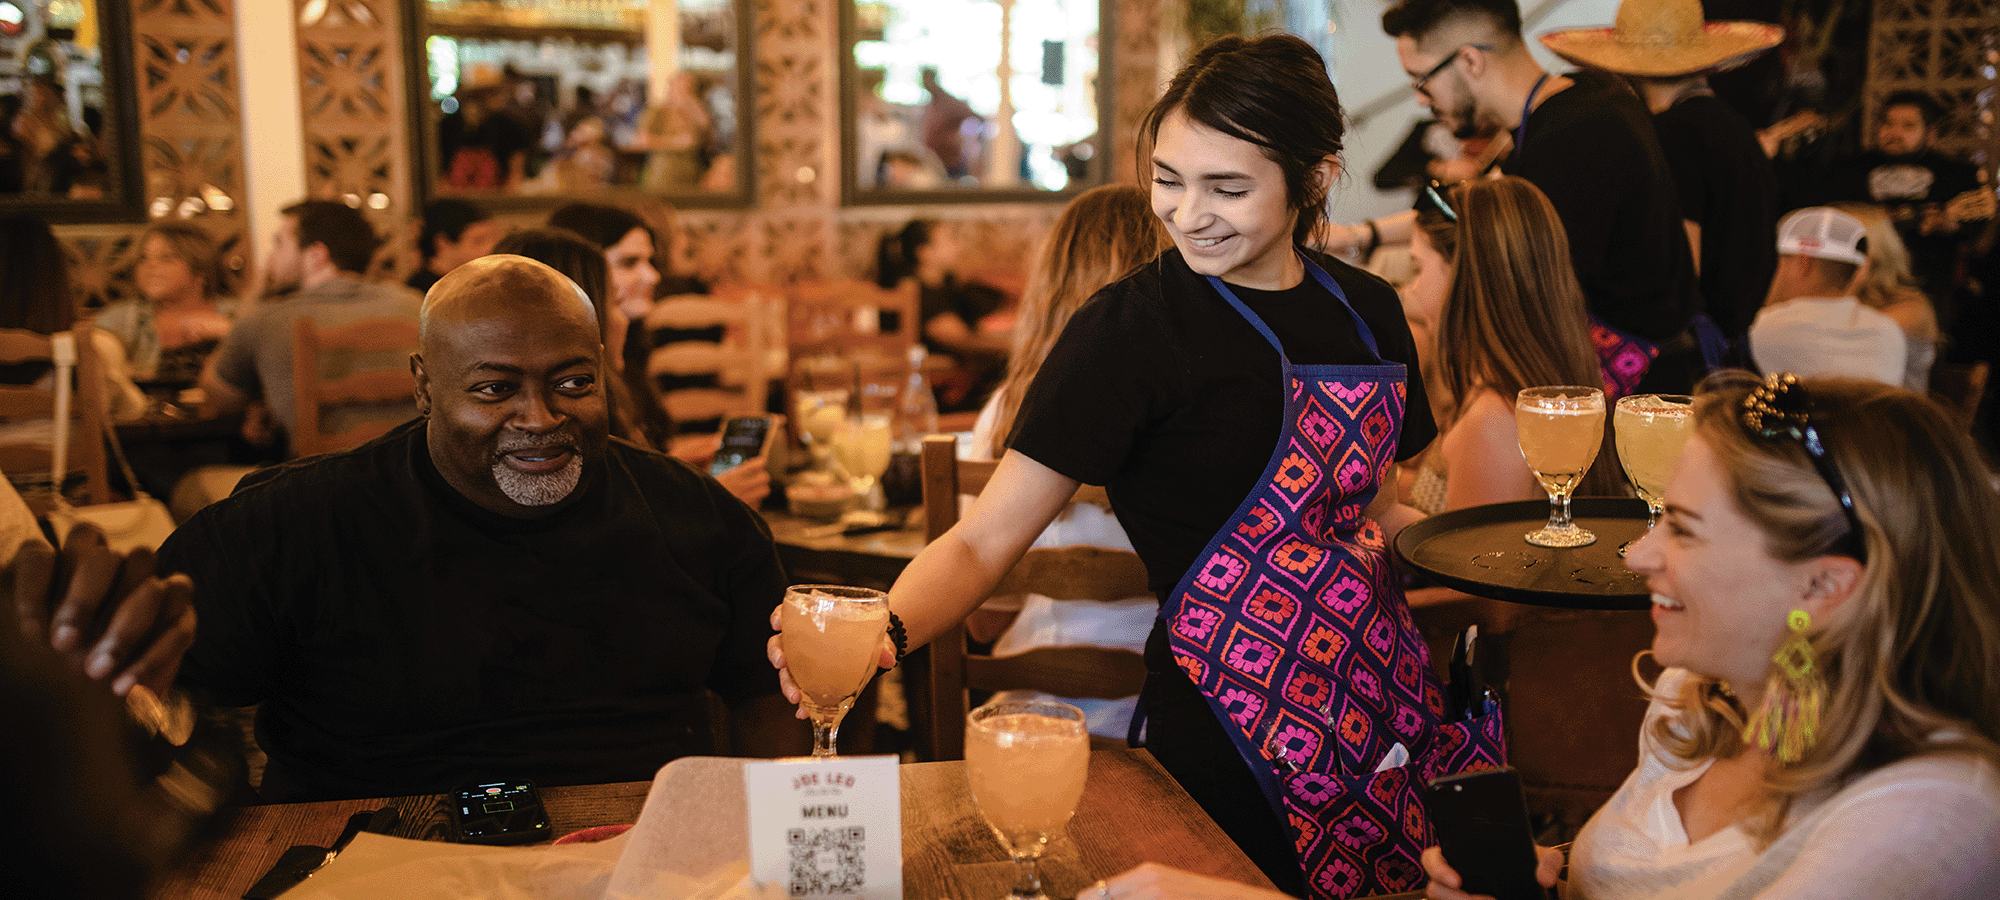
691,843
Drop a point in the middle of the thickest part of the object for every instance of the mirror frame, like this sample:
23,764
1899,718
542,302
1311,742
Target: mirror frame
850,187
125,192
423,133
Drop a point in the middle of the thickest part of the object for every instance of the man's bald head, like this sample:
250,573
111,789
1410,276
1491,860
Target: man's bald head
502,285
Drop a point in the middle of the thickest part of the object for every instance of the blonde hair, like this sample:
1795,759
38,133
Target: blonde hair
1889,280
1913,664
1514,317
193,246
1103,234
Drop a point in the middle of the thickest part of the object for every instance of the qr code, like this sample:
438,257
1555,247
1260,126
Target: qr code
827,861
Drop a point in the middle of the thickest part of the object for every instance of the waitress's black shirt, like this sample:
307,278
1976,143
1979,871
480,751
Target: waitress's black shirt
1163,393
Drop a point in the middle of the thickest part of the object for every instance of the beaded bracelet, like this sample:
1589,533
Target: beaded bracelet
1374,238
899,636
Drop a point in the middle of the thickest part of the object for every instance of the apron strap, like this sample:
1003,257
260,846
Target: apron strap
1325,281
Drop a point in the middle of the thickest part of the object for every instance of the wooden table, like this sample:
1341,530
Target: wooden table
1132,812
866,560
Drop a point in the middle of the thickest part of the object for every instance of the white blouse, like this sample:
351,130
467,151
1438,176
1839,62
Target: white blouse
1926,828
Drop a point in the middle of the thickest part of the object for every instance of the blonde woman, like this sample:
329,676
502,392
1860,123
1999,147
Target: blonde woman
170,329
1887,285
1828,552
1491,270
1104,233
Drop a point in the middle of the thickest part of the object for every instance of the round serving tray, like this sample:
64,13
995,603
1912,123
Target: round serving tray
1480,550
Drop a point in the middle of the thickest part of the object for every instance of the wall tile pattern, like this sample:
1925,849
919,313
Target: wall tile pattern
1951,49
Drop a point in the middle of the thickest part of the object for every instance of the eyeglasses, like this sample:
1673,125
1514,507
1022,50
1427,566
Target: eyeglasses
1446,62
1780,408
1432,197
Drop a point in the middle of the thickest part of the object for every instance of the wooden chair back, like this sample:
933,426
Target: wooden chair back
316,394
848,317
740,361
937,676
1960,388
80,447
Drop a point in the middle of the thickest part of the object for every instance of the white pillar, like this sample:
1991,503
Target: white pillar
274,145
663,48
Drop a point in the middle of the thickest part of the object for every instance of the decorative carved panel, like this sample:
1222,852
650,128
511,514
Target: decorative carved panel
1949,49
184,60
351,96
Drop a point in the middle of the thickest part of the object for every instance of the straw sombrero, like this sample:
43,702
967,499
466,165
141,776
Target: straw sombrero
1664,39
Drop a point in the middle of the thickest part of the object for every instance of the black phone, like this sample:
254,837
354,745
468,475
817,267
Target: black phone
502,812
743,439
1481,821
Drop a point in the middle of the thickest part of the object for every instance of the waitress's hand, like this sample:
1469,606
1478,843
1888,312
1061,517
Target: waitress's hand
775,649
1445,882
1152,881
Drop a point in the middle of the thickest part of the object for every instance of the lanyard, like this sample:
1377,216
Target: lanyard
1521,130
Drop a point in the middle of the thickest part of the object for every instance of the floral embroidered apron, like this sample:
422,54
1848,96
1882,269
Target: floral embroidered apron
1293,625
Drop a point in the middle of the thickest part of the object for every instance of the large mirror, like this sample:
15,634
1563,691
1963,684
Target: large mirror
526,103
68,116
967,100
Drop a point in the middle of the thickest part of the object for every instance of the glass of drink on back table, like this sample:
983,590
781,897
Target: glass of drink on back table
1026,761
1650,430
832,635
1561,427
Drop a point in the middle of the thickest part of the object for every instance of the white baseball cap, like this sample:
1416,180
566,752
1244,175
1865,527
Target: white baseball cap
1823,232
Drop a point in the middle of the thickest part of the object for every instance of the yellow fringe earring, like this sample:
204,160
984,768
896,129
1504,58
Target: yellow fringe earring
1787,722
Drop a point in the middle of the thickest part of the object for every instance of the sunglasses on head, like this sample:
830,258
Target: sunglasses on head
1780,408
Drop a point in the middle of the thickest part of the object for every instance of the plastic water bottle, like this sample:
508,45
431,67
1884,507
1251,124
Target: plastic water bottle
916,416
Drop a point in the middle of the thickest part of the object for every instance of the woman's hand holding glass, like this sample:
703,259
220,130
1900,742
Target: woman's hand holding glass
828,646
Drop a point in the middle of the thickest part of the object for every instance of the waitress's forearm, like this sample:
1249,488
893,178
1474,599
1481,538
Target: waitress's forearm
953,575
942,586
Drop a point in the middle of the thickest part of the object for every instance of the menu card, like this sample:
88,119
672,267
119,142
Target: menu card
830,828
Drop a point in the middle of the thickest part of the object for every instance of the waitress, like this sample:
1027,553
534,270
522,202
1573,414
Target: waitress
1242,399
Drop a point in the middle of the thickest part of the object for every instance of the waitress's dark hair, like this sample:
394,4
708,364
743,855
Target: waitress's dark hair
1272,91
896,254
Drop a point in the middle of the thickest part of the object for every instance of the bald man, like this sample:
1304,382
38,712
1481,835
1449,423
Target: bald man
495,591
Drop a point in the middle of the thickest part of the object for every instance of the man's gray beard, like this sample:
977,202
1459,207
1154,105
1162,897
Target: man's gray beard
539,490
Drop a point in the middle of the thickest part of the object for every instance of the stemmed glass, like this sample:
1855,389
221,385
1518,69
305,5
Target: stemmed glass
1650,430
1026,761
1561,427
832,635
820,413
861,447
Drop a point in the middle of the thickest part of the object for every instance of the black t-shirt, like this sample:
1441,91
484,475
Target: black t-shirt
1906,187
1728,187
1591,148
1163,393
403,640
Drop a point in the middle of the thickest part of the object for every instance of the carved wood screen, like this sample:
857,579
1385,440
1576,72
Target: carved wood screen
350,82
184,60
1951,50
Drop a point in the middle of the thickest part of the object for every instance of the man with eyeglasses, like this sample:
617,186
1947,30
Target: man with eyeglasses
1587,142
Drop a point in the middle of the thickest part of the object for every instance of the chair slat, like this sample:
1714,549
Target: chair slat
937,678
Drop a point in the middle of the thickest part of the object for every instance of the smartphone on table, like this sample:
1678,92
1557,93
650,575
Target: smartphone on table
744,438
500,812
1481,821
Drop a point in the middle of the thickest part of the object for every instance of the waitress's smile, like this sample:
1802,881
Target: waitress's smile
1225,204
